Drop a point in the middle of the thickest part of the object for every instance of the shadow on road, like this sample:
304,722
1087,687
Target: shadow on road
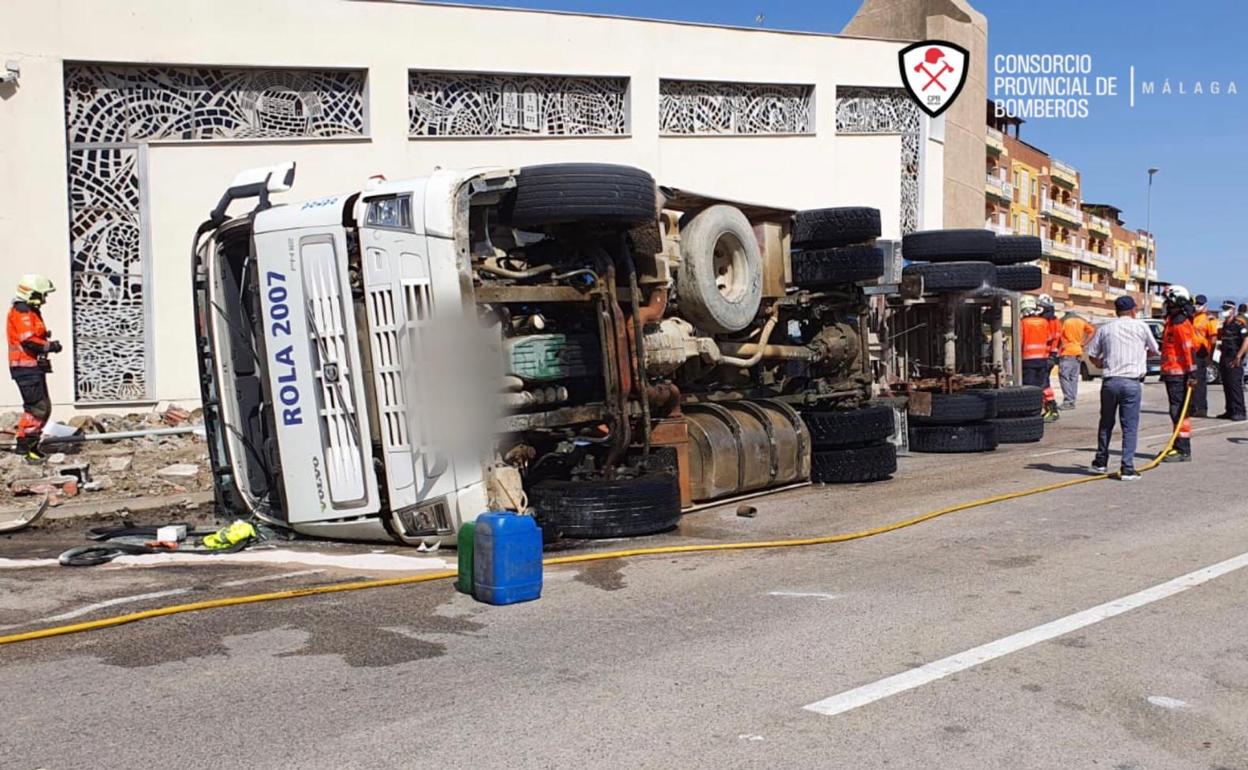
1065,470
1238,439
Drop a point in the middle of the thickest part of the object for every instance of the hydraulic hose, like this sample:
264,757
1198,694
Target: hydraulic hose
232,601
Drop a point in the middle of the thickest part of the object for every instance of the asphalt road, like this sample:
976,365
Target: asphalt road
939,633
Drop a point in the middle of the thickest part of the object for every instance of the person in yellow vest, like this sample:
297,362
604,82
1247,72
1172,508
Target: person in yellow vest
1075,334
1205,335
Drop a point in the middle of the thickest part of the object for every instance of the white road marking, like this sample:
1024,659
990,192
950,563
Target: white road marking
801,595
1168,703
917,677
26,563
101,605
266,578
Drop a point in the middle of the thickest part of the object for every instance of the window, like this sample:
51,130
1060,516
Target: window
474,104
707,108
1033,193
1017,185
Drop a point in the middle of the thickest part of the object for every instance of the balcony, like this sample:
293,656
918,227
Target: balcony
1114,291
1100,225
1065,212
999,188
1064,174
1152,275
1000,228
1097,258
1060,250
995,141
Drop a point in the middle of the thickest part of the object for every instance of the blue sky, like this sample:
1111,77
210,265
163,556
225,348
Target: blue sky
1198,141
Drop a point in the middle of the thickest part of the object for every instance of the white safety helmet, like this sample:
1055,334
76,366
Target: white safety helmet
33,288
1028,306
1045,301
1178,295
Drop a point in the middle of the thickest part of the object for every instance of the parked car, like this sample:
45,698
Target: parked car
1214,373
1090,370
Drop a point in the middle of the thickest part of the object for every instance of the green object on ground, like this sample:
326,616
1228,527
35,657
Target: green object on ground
228,537
465,542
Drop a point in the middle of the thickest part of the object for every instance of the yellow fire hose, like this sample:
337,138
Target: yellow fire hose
117,620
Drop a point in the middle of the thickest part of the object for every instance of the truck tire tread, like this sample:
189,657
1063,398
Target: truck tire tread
819,228
852,465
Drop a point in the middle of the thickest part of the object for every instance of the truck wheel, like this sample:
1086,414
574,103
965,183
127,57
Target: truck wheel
953,439
719,283
1018,430
560,193
949,245
845,264
958,408
1016,249
852,465
607,508
820,228
1019,277
1019,401
859,426
954,276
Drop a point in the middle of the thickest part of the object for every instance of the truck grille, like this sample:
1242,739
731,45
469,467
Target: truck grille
331,361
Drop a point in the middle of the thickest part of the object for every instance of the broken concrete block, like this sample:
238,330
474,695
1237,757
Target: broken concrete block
119,464
45,486
175,416
179,471
80,471
56,458
101,484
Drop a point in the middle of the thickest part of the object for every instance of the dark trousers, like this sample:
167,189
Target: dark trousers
32,384
1036,372
1176,391
1120,397
1200,394
1233,388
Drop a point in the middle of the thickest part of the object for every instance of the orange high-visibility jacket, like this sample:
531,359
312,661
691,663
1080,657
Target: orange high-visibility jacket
1055,335
1178,347
1036,337
1205,328
1075,334
28,337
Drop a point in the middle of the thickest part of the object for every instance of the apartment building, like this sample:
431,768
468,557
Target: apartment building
1090,258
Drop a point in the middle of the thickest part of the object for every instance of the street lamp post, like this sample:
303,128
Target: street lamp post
1151,254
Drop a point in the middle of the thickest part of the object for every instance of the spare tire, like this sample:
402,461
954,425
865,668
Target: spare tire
561,193
818,228
719,283
958,408
854,464
846,264
1019,430
953,439
1016,249
1019,277
949,245
954,276
607,508
857,426
1020,401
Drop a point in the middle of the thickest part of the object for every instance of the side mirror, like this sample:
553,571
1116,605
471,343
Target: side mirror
255,183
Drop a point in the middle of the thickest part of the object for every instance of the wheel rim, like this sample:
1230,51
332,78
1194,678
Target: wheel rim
729,265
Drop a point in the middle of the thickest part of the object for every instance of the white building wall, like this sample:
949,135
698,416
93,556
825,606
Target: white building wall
387,39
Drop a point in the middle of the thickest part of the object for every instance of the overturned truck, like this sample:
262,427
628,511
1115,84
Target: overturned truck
569,340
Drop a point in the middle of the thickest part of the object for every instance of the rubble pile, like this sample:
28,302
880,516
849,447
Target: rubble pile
104,469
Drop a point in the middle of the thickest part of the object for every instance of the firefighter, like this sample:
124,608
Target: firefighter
1205,332
1076,333
30,343
1233,344
1178,365
1037,350
1049,312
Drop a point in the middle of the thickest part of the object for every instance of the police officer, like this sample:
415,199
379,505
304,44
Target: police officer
29,346
1232,344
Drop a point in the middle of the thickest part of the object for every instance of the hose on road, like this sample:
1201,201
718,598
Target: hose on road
296,593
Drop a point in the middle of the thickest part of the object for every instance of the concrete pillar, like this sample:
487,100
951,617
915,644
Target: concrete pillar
957,22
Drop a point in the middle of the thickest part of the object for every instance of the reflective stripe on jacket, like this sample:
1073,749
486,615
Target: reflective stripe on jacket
28,337
1035,333
1178,347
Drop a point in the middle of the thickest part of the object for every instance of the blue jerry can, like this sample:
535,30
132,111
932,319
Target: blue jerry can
507,559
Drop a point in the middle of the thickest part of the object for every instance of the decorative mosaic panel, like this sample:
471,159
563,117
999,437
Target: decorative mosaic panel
121,107
887,111
111,103
472,104
696,107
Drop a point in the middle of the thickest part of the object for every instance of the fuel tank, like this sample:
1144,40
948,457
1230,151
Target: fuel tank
743,446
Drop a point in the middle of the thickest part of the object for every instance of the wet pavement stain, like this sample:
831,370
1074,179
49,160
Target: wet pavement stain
607,575
1074,642
1014,562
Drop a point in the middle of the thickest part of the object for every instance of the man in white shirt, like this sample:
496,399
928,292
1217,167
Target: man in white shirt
1121,348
